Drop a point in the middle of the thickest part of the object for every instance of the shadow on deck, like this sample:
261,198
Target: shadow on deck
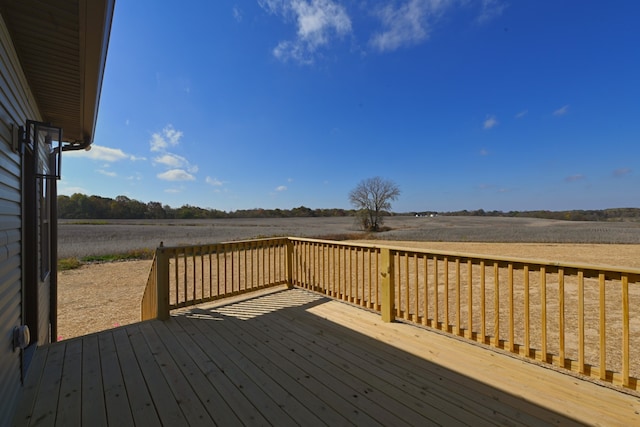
292,357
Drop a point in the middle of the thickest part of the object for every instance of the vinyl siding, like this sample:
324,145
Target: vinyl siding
16,105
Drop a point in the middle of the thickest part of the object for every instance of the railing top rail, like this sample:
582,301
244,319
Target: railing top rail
481,257
234,242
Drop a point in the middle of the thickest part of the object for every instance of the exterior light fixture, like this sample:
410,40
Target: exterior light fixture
21,337
46,142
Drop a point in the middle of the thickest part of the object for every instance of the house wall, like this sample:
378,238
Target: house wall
16,105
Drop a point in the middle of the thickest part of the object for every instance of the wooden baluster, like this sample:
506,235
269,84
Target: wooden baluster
581,361
625,330
470,299
561,358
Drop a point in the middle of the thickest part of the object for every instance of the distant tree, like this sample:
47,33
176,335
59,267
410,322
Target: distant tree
155,211
372,197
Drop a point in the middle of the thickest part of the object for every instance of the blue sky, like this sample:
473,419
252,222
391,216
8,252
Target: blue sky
465,104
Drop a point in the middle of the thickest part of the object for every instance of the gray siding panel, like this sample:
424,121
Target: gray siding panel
16,106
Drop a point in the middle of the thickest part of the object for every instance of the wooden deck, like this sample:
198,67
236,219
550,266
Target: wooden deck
295,358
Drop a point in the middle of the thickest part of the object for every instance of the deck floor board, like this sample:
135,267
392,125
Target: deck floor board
140,401
385,400
243,410
291,357
419,388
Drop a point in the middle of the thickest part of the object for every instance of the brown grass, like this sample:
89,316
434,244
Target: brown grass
96,297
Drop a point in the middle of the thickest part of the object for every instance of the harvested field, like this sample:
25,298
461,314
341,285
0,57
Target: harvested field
100,296
80,238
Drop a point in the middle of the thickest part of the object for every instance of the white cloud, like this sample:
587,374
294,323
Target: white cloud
106,173
317,22
213,181
160,141
281,188
179,168
408,24
175,162
521,114
101,153
490,122
574,178
173,190
491,9
561,111
176,175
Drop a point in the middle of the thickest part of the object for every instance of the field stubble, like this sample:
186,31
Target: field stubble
100,296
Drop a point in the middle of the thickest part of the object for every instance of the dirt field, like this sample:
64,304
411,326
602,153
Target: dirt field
101,296
80,238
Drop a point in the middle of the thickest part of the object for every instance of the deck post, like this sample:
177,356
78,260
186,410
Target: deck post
162,282
388,291
289,262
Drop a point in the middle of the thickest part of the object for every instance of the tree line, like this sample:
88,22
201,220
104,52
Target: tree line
80,206
613,214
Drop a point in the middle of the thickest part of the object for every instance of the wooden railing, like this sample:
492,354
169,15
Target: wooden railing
149,305
343,271
189,275
582,318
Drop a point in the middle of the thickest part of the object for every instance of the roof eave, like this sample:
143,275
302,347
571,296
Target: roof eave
95,28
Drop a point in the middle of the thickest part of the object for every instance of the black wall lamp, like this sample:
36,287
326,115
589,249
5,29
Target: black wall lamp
46,143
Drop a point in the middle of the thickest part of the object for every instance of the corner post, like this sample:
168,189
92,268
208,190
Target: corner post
388,291
162,282
289,262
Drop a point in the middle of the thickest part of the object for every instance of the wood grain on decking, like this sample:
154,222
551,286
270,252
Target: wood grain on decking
294,357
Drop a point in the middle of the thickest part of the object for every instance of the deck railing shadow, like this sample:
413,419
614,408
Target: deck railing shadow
583,318
329,365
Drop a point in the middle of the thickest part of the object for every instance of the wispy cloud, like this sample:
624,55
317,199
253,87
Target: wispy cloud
490,9
521,114
281,188
407,24
106,173
102,153
574,178
160,141
561,111
411,22
317,23
176,175
621,172
237,13
175,162
490,122
214,181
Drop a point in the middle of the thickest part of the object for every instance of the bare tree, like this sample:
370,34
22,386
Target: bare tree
373,196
